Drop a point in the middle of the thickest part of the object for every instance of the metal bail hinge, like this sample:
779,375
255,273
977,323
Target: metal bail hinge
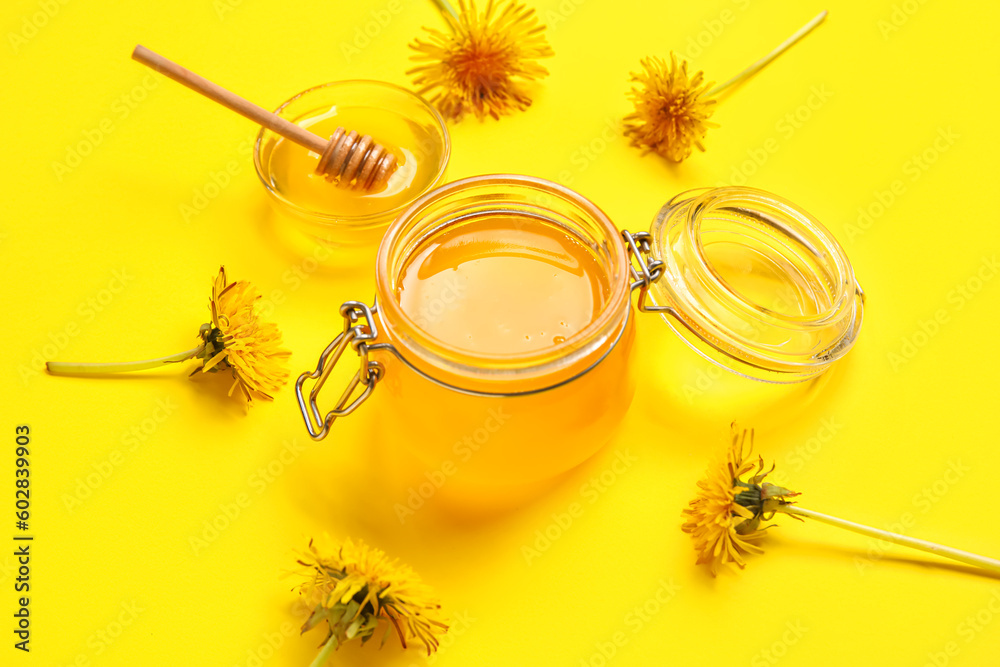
359,330
643,268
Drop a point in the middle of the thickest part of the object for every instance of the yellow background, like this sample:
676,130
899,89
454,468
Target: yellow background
874,441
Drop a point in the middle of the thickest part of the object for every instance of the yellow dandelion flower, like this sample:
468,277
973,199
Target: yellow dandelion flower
672,108
482,64
724,519
355,587
235,339
240,341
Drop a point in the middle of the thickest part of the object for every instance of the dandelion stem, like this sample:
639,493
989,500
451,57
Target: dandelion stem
68,368
328,648
445,6
989,564
766,60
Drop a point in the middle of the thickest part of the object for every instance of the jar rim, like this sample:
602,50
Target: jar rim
471,370
366,220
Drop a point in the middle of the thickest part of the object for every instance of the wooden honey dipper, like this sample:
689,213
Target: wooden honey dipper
347,159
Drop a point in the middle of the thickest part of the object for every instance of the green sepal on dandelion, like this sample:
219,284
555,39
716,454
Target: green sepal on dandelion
235,340
357,592
672,108
726,519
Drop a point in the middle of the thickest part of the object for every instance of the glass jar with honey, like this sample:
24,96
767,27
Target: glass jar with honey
503,322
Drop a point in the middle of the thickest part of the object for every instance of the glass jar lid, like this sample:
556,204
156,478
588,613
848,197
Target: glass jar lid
753,283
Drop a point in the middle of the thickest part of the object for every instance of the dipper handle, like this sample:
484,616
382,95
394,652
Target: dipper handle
230,100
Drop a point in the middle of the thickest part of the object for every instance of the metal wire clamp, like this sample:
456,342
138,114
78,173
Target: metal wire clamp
359,330
643,268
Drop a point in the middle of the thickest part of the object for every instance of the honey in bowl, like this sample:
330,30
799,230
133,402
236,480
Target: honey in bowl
292,168
397,119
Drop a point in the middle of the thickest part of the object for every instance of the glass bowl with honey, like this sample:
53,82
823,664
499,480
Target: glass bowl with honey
401,121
